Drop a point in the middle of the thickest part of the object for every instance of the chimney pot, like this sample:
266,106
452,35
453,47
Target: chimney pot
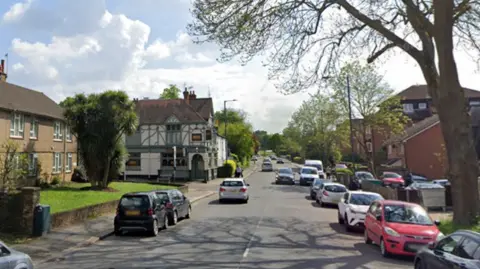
185,94
3,75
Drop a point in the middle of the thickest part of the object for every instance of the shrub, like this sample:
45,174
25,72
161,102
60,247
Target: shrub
234,157
55,181
78,175
232,166
344,171
297,159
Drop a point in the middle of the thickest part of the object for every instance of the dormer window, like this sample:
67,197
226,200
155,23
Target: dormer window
422,106
408,108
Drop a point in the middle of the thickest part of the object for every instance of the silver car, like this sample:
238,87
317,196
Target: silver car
285,176
12,259
267,166
317,184
233,189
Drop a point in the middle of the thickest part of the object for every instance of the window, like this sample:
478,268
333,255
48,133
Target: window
174,134
448,244
57,131
32,164
373,208
57,163
369,146
196,137
33,128
466,249
208,135
422,106
68,133
134,162
68,165
407,108
17,124
167,159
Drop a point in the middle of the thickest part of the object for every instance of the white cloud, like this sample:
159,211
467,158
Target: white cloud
17,11
158,50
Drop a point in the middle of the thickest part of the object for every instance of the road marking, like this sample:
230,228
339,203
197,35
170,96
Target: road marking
245,253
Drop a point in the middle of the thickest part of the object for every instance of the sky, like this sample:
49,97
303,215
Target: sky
66,47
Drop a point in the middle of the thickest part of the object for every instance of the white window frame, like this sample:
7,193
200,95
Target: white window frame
57,163
68,133
422,105
32,164
33,128
68,163
57,131
389,149
17,125
408,107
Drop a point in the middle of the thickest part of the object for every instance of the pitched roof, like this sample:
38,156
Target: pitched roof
204,106
413,130
14,97
416,92
159,110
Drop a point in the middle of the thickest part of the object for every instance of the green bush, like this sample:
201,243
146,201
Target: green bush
297,159
344,171
234,157
55,181
232,166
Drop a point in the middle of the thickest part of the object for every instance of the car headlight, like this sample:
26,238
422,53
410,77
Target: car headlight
440,235
391,232
355,211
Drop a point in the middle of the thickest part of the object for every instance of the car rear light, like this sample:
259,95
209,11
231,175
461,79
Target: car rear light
243,189
150,212
169,205
325,193
222,189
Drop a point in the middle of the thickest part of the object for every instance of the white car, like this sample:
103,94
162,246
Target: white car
330,193
353,208
308,175
233,189
267,166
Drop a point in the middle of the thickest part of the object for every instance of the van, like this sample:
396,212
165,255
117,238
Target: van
317,164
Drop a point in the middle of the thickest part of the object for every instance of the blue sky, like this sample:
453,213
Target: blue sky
63,47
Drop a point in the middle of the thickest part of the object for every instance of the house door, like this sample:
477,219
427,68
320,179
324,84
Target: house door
198,167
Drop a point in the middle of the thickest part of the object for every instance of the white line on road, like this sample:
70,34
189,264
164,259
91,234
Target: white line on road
245,253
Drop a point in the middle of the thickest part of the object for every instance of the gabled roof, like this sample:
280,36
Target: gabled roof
157,111
14,97
204,106
413,130
419,92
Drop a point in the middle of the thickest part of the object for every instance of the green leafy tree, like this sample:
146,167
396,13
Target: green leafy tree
295,33
232,116
171,92
13,165
373,107
240,141
100,121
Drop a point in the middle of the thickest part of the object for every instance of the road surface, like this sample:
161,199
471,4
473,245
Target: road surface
280,227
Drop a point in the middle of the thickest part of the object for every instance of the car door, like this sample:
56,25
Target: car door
377,225
185,203
5,258
442,253
465,254
178,202
369,219
159,205
342,205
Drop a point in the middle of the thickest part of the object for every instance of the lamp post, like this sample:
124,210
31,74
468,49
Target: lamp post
225,118
350,118
174,163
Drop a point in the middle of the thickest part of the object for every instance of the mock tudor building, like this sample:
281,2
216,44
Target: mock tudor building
182,126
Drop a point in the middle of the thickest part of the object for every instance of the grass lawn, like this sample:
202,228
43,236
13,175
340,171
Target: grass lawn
447,227
65,198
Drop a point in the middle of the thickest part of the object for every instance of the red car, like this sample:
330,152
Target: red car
392,179
400,228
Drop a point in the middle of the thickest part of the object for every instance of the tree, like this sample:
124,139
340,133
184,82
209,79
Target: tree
13,165
240,141
100,122
307,39
232,116
372,103
171,92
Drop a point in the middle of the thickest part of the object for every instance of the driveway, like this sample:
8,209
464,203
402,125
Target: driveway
279,228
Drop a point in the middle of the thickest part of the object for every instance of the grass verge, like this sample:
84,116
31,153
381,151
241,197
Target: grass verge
71,196
12,239
447,227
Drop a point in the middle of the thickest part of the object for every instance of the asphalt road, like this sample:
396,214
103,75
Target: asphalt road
279,228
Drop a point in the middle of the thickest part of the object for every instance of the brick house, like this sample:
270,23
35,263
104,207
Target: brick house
36,123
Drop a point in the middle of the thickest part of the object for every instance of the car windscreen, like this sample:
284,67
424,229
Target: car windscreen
285,171
364,199
335,188
232,184
309,171
318,182
318,166
138,201
391,175
364,175
409,214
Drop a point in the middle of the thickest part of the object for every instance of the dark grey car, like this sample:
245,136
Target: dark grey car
12,259
177,204
285,176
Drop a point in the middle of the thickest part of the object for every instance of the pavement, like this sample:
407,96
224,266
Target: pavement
280,227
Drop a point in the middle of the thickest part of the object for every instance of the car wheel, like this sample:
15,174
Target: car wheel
154,231
321,203
367,239
165,222
220,201
348,228
383,248
316,200
117,232
245,201
174,218
340,220
189,212
419,264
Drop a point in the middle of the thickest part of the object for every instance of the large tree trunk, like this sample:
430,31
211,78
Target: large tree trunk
106,172
449,99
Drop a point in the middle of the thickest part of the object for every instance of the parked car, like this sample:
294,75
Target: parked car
330,193
140,211
317,164
317,184
12,259
285,176
308,175
267,166
363,175
411,178
177,204
391,179
353,208
233,189
400,228
457,250
254,158
443,182
280,161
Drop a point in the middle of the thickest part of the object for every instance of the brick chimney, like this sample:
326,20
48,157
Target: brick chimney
185,94
3,75
194,96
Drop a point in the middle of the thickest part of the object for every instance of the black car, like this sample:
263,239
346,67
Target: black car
280,161
177,204
141,211
457,250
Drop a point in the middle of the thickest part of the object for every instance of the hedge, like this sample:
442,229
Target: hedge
232,166
297,159
343,171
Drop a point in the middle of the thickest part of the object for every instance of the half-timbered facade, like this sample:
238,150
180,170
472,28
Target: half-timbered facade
185,124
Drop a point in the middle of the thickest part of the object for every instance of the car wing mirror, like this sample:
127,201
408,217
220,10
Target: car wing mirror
379,217
431,245
437,222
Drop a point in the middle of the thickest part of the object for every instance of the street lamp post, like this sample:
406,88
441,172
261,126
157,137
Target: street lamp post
350,118
225,118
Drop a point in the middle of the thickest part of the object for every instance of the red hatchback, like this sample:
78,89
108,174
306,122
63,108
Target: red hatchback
400,228
392,179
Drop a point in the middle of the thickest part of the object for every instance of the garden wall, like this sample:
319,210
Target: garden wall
16,210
